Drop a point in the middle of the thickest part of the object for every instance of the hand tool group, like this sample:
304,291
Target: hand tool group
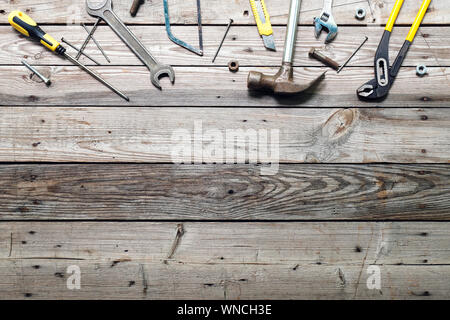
280,83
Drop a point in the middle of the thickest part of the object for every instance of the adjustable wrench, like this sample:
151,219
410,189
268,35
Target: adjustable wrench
326,21
104,11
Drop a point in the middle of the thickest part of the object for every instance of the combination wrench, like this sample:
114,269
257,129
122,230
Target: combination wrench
104,11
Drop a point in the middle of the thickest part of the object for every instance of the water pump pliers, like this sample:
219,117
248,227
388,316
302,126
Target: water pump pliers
378,88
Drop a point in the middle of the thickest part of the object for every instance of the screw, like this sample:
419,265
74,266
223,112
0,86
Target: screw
135,7
223,39
46,80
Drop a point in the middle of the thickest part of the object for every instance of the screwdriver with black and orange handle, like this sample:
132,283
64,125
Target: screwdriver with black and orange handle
28,27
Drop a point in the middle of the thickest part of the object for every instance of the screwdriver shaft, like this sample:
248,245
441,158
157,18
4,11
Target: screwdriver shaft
96,76
77,49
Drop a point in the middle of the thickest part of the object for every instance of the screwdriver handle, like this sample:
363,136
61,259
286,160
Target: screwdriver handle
28,27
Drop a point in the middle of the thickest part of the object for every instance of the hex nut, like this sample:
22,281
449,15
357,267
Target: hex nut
233,66
421,70
360,14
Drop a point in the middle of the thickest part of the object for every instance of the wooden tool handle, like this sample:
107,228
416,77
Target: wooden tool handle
135,7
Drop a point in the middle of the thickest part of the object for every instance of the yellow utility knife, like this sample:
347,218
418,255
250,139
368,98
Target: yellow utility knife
263,22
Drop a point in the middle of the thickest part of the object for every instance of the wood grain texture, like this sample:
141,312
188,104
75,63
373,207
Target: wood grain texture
243,43
150,134
360,184
216,12
240,192
215,86
225,260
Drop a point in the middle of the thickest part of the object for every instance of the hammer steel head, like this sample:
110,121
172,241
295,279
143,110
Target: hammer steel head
280,83
326,21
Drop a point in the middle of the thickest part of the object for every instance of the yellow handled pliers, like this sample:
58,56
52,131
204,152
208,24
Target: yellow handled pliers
378,88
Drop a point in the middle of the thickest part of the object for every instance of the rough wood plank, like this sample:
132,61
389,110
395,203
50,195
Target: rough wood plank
215,86
243,43
225,261
151,134
310,192
20,280
219,12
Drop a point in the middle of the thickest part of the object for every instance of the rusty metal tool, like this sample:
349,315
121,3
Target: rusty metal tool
233,66
96,43
103,10
135,7
179,42
40,75
223,39
313,53
78,49
283,81
385,74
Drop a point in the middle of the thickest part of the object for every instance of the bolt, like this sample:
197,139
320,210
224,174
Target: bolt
313,53
46,80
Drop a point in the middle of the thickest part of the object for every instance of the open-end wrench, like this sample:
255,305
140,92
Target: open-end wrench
326,21
104,11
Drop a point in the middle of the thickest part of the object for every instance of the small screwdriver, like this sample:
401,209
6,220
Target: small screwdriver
28,27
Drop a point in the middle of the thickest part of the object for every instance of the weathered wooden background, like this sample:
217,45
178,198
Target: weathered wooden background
87,179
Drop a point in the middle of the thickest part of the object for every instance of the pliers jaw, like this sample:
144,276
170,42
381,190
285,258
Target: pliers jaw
372,91
378,88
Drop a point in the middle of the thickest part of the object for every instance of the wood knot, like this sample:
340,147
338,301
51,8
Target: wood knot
339,124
